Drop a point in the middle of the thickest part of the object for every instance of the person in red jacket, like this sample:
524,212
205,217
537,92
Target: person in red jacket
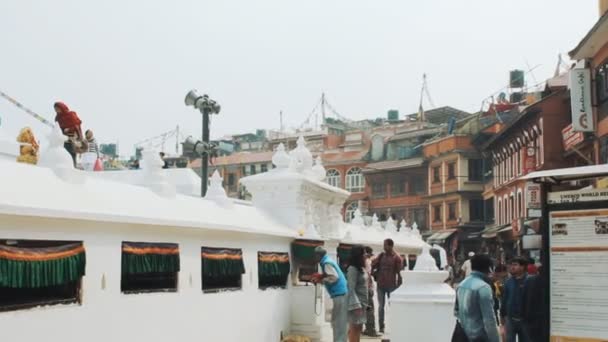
69,122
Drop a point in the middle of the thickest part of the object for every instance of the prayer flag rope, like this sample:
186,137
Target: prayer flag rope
25,109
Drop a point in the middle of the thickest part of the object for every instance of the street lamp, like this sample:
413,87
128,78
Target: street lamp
206,106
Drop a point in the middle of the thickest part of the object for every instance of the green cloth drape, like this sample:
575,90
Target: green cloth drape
222,262
304,250
149,263
33,269
273,264
140,257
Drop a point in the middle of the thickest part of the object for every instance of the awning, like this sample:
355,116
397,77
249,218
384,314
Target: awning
393,165
570,173
491,232
440,236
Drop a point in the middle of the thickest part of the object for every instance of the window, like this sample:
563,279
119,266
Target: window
437,213
451,170
417,185
264,167
601,83
273,270
231,179
377,147
419,215
245,171
601,87
378,189
451,211
149,267
436,174
519,206
222,269
512,207
354,180
252,169
397,186
333,178
476,210
500,217
604,150
350,211
38,272
488,210
475,170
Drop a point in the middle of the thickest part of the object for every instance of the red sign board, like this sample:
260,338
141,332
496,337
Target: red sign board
571,138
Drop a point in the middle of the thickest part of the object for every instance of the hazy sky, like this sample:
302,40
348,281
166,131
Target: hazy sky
125,66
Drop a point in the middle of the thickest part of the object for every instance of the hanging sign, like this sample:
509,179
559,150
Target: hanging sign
571,138
533,196
580,100
576,196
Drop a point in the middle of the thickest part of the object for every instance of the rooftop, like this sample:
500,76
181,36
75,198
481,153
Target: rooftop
593,41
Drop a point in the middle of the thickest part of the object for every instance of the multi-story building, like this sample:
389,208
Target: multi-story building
397,174
531,141
592,53
455,184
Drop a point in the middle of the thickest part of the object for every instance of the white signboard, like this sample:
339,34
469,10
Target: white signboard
580,100
532,195
577,196
579,275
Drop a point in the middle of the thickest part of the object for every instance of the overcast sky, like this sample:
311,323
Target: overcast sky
125,66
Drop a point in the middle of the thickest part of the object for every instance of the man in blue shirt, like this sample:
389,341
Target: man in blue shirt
474,307
335,284
512,304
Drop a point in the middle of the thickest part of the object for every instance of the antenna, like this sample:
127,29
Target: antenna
281,128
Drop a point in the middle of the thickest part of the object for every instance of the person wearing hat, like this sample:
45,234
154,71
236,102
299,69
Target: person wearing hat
335,283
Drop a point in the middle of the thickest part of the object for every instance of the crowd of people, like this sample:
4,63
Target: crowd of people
492,309
352,294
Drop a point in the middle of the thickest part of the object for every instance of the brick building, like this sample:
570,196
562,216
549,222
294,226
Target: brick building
592,51
531,141
455,185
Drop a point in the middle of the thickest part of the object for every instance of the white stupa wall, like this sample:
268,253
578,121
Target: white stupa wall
422,309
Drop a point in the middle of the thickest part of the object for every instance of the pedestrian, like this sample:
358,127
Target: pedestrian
358,290
512,305
387,273
335,284
69,122
474,305
535,322
370,324
162,157
466,266
90,157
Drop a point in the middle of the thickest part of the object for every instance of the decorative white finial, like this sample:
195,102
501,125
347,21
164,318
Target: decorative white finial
216,192
311,233
390,226
425,262
154,177
358,218
402,226
280,158
376,223
301,157
415,230
57,158
318,170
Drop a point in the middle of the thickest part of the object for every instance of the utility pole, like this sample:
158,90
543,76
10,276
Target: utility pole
323,106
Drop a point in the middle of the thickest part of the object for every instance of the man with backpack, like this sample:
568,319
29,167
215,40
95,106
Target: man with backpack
386,270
